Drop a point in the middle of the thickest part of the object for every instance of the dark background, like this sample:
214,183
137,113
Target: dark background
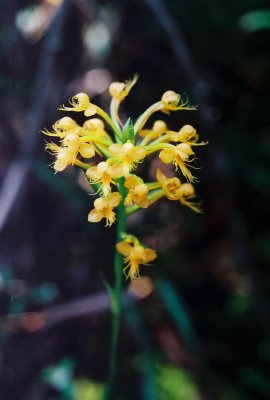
198,327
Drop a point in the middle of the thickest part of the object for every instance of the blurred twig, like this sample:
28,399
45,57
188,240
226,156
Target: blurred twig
34,321
13,182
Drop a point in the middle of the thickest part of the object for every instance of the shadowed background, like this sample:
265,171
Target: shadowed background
196,326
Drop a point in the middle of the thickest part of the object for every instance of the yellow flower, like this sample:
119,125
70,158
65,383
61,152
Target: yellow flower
187,134
185,193
158,129
138,192
134,256
65,156
169,185
95,126
175,190
66,125
67,153
63,127
170,101
81,102
104,173
180,156
120,90
76,144
128,154
103,208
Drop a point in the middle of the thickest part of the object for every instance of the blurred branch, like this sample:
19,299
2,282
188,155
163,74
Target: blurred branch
12,184
34,321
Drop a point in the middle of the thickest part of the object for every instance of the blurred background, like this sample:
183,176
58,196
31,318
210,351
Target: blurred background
198,323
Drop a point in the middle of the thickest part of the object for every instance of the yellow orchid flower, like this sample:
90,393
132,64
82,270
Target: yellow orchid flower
169,185
170,101
63,127
67,153
185,193
119,91
187,134
103,208
175,190
134,255
128,154
180,156
105,174
80,102
158,129
137,193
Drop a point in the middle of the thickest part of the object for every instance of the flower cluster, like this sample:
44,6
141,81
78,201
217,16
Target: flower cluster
110,160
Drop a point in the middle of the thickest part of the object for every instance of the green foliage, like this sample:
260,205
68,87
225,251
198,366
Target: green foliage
59,376
255,20
87,390
128,131
177,310
175,384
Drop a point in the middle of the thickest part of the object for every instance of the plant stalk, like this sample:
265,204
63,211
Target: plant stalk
116,292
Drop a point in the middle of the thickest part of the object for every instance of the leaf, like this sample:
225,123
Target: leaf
128,132
255,20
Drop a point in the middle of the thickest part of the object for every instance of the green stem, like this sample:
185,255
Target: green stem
82,164
116,294
109,121
153,196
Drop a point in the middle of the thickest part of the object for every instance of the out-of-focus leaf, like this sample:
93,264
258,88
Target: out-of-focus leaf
66,187
175,384
255,20
238,304
255,380
45,293
60,377
264,351
87,390
262,246
5,277
178,311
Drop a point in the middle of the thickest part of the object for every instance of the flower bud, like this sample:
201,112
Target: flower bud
170,98
159,127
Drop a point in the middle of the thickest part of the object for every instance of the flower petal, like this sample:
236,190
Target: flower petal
114,199
166,156
124,248
95,215
149,255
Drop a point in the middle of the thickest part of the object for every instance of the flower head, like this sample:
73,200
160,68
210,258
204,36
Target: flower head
137,193
134,256
103,208
119,151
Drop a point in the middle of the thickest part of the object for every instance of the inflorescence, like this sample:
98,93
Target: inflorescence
118,156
